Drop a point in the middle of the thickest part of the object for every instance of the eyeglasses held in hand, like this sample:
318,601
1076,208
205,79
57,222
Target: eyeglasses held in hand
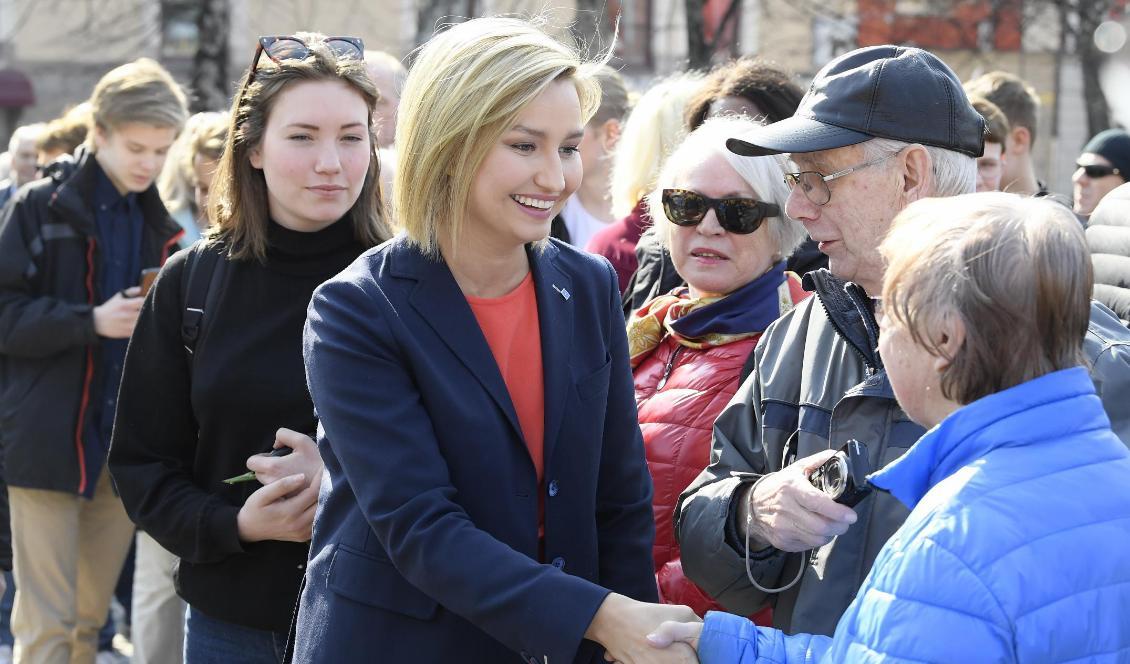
736,215
814,184
289,47
1096,171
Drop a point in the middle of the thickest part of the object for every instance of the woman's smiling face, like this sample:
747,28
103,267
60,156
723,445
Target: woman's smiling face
526,177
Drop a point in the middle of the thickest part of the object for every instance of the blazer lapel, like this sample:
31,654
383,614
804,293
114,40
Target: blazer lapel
442,305
555,316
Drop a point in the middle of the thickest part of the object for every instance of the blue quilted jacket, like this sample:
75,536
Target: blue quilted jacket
1015,551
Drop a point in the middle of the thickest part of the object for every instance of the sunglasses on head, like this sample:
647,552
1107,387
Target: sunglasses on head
289,47
1098,170
736,215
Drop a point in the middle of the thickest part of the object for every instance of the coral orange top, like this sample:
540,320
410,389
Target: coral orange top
510,325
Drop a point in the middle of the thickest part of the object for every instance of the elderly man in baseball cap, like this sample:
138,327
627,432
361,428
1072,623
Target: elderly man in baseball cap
879,128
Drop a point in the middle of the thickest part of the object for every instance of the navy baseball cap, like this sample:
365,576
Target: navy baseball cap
896,92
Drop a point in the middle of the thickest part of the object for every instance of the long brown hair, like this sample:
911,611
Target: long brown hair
238,198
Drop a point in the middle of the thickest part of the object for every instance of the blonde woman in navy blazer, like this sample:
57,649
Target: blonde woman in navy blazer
435,540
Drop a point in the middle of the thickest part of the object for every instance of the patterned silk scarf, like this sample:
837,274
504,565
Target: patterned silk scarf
707,322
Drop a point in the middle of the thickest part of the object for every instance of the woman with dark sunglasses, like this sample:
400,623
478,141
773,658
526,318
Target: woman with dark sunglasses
214,377
486,493
722,219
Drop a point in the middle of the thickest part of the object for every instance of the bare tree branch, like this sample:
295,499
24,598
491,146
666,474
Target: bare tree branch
210,79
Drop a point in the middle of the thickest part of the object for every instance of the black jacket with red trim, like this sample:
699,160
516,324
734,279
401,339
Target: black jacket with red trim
49,351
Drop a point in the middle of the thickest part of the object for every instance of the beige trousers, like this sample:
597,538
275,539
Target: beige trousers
158,613
67,552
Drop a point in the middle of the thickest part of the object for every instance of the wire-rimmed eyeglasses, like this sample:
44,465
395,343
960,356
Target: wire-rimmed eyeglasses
814,184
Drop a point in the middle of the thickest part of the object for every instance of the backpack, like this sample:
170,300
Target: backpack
204,269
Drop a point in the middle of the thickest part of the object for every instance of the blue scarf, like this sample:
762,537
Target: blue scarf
709,322
750,308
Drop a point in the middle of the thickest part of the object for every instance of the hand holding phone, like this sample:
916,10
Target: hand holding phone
250,475
301,456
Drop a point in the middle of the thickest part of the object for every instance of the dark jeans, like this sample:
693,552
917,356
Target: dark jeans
208,640
6,611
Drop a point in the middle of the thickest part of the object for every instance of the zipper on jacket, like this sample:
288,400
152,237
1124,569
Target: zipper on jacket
669,368
870,326
88,374
839,331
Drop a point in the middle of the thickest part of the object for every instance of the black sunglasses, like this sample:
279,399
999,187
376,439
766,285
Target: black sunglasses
1098,170
289,47
736,215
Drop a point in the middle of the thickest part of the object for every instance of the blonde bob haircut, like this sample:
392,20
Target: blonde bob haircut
466,88
237,201
764,175
1014,270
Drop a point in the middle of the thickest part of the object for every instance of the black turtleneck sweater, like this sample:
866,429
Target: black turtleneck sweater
179,433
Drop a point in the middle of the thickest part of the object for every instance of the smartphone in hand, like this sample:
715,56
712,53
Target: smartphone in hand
148,276
250,475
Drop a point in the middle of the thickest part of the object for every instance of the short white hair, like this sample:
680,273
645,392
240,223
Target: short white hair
765,175
29,132
388,62
953,173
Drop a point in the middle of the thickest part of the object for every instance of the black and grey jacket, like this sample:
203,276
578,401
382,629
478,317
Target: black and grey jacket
818,382
49,265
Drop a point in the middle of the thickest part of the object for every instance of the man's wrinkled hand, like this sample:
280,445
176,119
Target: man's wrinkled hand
791,514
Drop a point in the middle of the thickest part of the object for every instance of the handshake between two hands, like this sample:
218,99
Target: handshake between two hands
635,632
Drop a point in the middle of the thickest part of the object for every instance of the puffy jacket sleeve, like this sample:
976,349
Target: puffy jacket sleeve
730,639
706,511
33,325
155,432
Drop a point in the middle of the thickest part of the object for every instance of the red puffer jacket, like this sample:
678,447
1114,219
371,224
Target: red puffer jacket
679,393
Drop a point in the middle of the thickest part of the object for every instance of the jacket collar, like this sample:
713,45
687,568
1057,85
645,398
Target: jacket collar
849,312
437,298
73,200
1039,410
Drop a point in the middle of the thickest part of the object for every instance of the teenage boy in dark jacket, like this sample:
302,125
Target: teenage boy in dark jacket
72,248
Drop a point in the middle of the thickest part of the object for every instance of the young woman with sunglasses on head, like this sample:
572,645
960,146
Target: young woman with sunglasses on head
486,493
294,201
722,219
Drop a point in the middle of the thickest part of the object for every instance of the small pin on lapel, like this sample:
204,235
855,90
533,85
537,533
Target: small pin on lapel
561,291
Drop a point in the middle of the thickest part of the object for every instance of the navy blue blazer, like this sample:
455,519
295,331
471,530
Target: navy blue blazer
425,546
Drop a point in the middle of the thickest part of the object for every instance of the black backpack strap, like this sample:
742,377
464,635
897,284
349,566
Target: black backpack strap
750,363
204,266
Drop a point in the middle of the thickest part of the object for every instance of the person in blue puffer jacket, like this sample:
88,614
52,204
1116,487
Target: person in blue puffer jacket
1019,498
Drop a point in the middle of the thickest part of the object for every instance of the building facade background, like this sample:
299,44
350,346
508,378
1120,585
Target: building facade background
64,46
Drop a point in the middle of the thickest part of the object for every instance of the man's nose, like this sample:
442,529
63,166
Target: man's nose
799,207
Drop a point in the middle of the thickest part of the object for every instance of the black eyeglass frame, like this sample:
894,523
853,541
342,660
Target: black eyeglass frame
723,208
266,44
1103,169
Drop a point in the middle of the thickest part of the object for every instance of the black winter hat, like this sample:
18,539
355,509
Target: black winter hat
1114,146
894,92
